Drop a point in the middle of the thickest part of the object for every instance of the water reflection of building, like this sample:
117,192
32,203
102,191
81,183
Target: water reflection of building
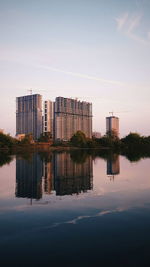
48,176
29,178
71,177
113,166
56,172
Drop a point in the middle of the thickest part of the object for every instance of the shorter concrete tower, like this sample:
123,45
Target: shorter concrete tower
112,125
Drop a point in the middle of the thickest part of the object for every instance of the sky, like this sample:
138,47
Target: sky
93,50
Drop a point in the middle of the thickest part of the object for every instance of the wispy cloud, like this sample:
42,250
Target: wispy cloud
148,35
121,21
128,24
134,22
81,75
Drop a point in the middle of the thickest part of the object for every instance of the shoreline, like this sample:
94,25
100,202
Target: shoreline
46,147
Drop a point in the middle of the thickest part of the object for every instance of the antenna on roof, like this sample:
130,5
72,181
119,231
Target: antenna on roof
36,90
30,90
111,112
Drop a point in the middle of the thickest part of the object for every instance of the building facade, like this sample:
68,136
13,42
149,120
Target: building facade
112,125
70,116
48,122
29,115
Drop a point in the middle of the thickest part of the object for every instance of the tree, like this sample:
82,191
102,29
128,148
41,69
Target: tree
112,134
6,141
79,139
132,139
28,139
45,137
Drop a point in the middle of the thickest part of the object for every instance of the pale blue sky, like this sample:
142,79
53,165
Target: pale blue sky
95,50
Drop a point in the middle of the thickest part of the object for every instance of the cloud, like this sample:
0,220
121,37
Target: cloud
81,75
148,35
134,22
121,21
128,24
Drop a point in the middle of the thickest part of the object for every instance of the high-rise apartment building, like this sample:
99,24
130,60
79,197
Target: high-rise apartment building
71,116
48,122
112,125
29,115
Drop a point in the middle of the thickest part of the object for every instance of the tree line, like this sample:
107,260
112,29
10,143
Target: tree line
131,142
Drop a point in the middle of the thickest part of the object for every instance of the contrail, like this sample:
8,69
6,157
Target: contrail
84,76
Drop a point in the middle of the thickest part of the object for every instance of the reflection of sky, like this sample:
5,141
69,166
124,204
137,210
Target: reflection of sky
112,219
133,177
129,189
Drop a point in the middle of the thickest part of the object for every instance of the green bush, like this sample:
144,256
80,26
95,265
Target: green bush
79,139
28,139
6,141
45,137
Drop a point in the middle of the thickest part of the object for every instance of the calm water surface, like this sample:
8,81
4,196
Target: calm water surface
62,209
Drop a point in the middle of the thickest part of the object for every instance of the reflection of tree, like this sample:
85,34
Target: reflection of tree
45,156
79,156
26,155
135,156
5,158
135,146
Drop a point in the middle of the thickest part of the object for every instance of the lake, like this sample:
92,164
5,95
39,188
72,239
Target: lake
74,209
